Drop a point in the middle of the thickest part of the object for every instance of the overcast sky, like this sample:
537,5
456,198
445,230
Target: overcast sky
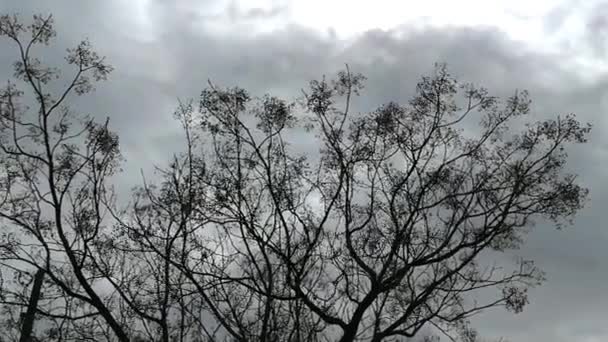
165,50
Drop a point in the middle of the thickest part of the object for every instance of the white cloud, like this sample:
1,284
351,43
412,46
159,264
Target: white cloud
558,27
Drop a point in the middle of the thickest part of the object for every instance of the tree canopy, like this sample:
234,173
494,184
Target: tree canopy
380,231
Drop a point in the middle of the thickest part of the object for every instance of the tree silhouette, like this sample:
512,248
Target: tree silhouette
380,236
53,181
383,230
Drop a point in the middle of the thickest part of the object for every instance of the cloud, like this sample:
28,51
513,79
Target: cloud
162,51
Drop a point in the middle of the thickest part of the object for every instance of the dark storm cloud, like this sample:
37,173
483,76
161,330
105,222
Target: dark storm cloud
179,55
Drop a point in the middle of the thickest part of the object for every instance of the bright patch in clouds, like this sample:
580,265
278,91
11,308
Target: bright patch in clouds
523,20
520,19
557,27
350,17
135,17
527,21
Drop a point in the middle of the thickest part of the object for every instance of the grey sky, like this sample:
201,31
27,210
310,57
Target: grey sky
165,50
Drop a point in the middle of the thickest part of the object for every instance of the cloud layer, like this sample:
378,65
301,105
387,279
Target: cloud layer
163,51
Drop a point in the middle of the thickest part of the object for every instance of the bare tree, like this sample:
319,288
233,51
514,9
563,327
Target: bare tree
382,235
172,222
384,230
55,166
